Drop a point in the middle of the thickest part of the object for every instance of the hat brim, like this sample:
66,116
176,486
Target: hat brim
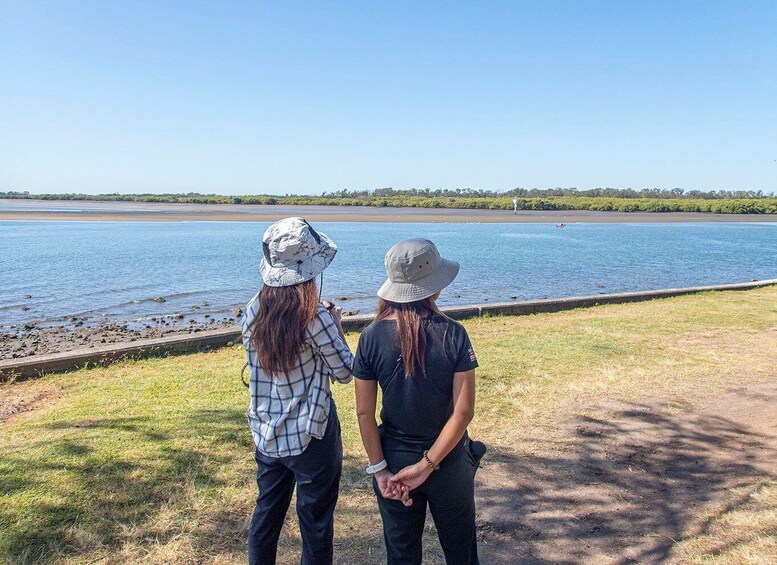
308,269
423,288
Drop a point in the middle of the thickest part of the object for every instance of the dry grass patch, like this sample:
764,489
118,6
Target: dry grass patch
535,369
745,531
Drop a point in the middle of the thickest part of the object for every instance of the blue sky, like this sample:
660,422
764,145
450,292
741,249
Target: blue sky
286,97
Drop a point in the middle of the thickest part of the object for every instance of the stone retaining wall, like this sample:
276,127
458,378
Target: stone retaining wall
40,364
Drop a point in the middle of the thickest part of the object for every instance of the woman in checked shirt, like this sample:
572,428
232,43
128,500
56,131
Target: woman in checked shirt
295,346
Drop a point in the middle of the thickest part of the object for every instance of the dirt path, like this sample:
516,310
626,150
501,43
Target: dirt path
626,487
15,401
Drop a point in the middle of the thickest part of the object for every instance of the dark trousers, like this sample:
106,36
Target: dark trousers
316,472
450,495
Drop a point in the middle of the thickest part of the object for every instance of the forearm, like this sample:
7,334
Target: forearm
368,428
341,332
413,476
449,437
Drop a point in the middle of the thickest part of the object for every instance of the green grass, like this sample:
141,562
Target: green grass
152,459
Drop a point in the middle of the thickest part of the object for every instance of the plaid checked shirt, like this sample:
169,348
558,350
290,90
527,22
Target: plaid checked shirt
286,411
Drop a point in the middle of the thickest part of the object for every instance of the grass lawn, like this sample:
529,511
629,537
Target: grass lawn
151,460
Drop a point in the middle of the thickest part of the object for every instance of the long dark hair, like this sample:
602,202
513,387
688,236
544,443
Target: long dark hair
278,331
412,334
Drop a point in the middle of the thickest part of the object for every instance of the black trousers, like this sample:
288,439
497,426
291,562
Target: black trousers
450,494
316,472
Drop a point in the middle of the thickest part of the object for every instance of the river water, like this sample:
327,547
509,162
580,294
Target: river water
95,271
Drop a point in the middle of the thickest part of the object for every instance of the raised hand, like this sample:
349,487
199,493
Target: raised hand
334,310
337,314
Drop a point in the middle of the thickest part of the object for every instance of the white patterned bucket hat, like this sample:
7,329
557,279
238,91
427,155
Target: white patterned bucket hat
416,271
294,253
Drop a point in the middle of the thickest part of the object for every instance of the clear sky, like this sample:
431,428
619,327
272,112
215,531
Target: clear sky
287,97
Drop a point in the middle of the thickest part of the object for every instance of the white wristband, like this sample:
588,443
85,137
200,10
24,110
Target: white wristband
372,469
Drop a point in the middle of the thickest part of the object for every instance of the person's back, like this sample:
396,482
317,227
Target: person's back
424,364
416,408
286,412
294,347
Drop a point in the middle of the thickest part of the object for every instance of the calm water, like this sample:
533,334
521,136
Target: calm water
51,271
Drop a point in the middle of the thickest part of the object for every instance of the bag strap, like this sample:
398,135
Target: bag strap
242,377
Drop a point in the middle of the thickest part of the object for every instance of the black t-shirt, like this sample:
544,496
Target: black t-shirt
415,408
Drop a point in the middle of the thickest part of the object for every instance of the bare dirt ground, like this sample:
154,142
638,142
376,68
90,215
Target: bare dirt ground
14,400
628,485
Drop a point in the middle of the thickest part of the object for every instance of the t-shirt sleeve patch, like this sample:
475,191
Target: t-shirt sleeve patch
467,360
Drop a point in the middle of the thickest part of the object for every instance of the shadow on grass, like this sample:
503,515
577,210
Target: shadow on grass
623,490
95,480
99,484
620,490
358,530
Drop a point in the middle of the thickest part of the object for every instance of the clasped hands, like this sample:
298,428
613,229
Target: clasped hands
398,487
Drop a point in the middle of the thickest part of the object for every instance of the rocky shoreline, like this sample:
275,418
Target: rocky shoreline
30,339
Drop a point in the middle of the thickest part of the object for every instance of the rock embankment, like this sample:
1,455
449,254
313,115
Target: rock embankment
30,339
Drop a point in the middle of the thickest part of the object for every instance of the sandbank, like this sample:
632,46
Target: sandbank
69,210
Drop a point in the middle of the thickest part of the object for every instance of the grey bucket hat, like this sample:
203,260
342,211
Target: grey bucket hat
294,253
416,271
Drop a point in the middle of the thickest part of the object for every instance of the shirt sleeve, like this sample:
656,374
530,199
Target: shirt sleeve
362,367
252,309
466,358
327,342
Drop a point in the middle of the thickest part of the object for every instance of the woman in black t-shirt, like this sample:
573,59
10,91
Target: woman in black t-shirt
425,366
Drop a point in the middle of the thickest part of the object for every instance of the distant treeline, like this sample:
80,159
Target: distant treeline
602,199
651,193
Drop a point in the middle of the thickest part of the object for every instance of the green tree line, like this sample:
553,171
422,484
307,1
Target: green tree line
617,200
